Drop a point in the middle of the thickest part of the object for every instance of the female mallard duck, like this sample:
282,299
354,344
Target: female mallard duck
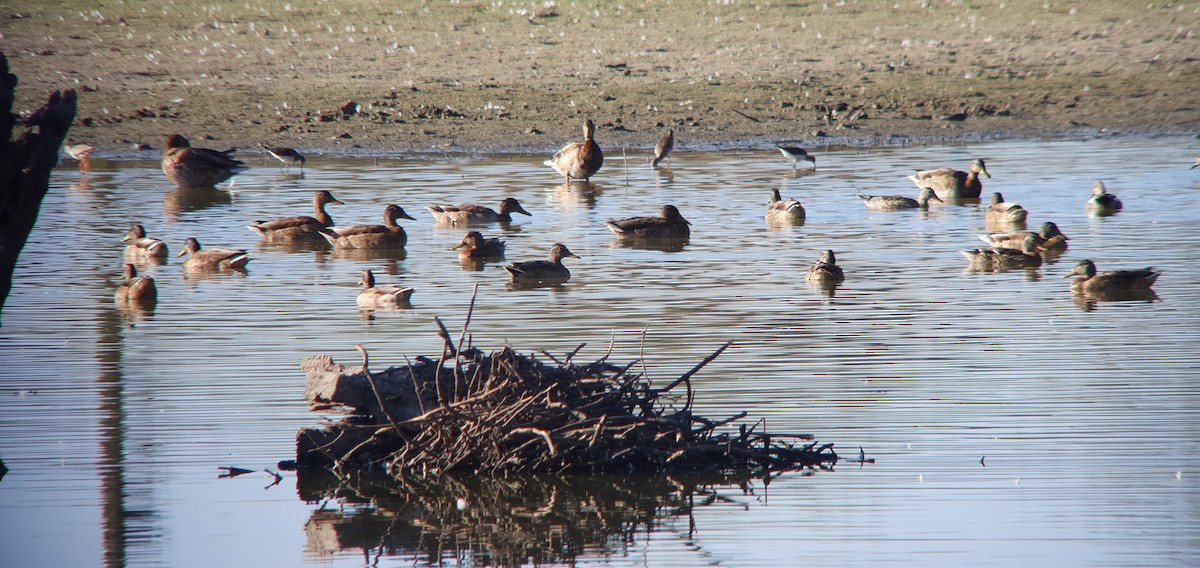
300,226
373,296
465,214
212,258
670,225
1003,258
1102,203
826,271
1115,281
796,155
474,246
662,150
1048,238
136,289
388,235
1004,212
953,184
579,160
141,246
288,156
535,270
781,212
197,167
897,202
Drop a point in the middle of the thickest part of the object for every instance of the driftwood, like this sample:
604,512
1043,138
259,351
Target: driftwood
25,165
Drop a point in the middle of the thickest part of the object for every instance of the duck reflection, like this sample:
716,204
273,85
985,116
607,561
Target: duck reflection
1089,301
188,199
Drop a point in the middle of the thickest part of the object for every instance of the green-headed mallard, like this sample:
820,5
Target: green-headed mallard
898,202
781,212
136,289
465,214
474,246
212,258
538,270
1002,212
579,160
670,225
288,156
796,155
1114,281
300,226
662,150
1102,203
141,246
1048,238
952,184
826,271
197,167
373,296
388,235
1003,258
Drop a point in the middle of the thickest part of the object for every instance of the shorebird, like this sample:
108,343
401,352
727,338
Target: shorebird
286,155
662,150
796,155
80,152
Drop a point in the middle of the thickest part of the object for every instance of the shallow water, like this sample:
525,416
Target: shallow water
1012,423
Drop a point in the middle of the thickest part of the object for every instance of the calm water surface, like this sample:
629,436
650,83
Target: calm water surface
113,424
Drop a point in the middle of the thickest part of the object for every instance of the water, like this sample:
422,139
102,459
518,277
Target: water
1011,423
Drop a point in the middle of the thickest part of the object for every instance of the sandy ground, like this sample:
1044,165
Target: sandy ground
522,76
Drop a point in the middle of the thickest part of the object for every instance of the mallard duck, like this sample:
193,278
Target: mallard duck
388,235
781,212
473,245
662,150
465,214
1003,258
1102,203
535,270
136,289
286,155
796,155
953,184
372,296
579,160
300,226
1115,281
1003,212
80,152
1048,238
197,167
212,258
670,225
1197,164
825,271
141,246
897,202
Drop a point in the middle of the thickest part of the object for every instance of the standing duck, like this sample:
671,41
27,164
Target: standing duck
953,184
136,289
373,296
141,246
1102,203
796,155
212,258
1002,212
197,167
1048,238
1109,282
1003,258
287,156
388,235
536,270
781,212
465,214
474,246
579,160
898,202
670,225
662,150
300,226
825,272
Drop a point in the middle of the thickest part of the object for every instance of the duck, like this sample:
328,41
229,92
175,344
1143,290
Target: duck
781,212
1002,212
898,202
535,270
1197,164
670,224
1004,258
373,296
579,160
212,258
1049,237
1102,203
796,155
952,184
80,152
197,167
465,214
287,156
300,226
1114,281
826,271
141,246
387,235
136,289
474,246
662,150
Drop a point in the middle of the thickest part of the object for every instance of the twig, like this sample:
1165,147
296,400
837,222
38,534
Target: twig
696,369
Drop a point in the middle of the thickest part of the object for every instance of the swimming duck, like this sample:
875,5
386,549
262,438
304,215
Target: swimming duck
197,167
465,214
300,226
1115,281
1003,212
373,296
670,225
662,150
136,289
1048,238
953,184
212,258
897,202
141,246
825,271
579,160
1102,203
781,212
288,156
473,245
535,270
80,152
387,235
1003,258
796,155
